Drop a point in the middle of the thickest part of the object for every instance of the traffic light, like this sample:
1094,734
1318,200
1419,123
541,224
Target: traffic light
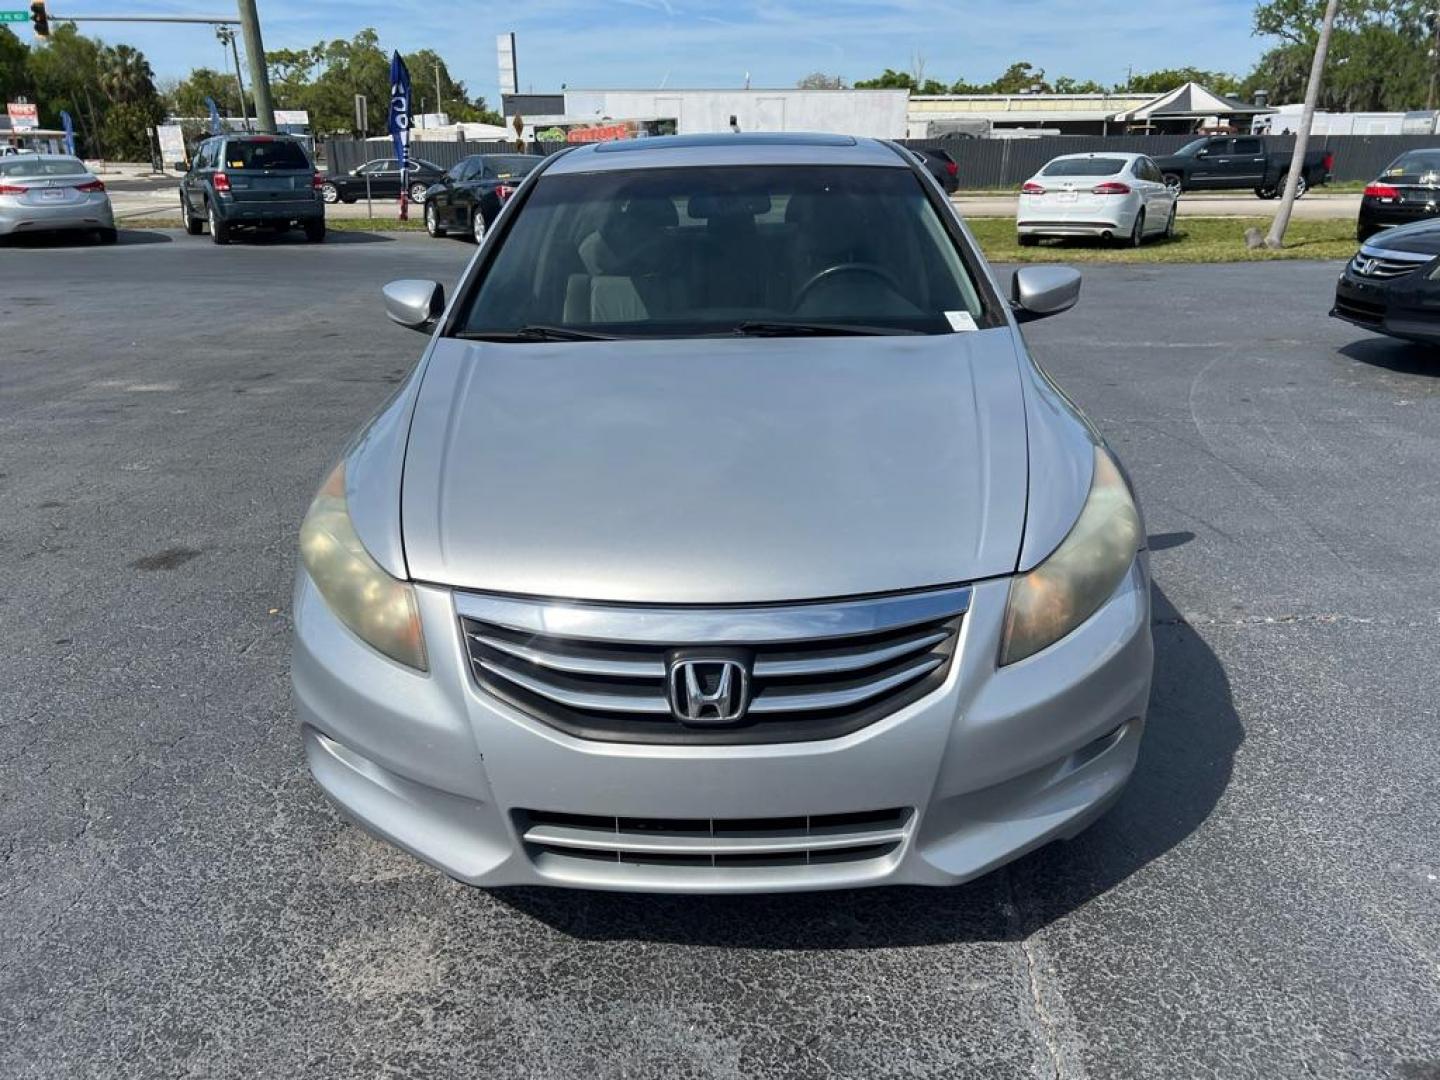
39,20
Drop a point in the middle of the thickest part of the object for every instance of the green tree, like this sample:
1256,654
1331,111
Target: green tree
1166,79
187,98
455,98
1020,78
14,67
1067,85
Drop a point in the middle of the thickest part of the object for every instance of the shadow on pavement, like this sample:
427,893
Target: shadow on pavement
1185,764
81,239
1402,357
272,238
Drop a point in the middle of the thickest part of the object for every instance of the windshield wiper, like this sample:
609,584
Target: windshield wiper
535,332
813,329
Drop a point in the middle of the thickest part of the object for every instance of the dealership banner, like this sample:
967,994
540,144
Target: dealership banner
23,116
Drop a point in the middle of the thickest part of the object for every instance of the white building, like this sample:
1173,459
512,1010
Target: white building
877,113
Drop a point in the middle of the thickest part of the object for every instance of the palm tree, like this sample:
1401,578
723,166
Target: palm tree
125,74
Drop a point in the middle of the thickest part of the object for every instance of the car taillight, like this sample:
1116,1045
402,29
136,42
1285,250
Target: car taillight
504,191
1110,187
1032,188
1381,191
12,189
317,181
1329,162
91,185
952,168
221,181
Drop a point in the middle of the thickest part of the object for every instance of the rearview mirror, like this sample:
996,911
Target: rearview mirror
414,303
1038,291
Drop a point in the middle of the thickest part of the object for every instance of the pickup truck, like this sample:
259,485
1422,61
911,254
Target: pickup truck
1217,162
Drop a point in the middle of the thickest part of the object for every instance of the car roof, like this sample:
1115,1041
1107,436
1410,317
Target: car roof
50,157
750,148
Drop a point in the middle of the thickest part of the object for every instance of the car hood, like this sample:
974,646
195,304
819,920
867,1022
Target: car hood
1421,238
717,471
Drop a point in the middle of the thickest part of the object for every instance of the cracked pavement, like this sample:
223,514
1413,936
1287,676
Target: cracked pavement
176,898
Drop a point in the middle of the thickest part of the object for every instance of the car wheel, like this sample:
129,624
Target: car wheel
107,236
478,227
432,224
329,192
315,230
1364,232
193,225
1137,231
1300,186
1265,193
417,192
1174,182
348,199
1169,233
219,231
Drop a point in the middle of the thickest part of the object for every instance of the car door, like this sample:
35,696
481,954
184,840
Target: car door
383,177
192,185
457,195
1247,160
1158,197
1210,163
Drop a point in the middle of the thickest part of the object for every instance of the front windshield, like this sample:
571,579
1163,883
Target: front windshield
41,166
690,251
1191,148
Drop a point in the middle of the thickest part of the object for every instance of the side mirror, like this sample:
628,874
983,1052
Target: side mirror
414,303
1038,291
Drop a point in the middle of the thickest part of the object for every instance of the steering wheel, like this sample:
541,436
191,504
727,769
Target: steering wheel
848,268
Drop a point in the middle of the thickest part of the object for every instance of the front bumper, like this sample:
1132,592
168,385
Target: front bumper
992,764
93,212
1407,308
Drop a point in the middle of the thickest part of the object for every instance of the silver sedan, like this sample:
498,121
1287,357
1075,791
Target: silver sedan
53,193
725,538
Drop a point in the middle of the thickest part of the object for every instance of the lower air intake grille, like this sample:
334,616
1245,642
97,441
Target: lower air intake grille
713,842
795,672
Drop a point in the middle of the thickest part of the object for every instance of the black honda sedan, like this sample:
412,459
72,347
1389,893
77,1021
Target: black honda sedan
469,197
1408,190
1391,285
379,179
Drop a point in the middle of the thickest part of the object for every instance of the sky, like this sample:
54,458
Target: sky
715,43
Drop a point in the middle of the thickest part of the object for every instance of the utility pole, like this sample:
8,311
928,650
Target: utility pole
1276,238
226,34
1432,23
439,101
259,76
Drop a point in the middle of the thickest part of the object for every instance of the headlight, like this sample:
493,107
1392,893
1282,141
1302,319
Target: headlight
1068,587
379,608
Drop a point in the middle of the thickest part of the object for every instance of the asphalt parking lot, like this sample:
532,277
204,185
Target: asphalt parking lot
177,899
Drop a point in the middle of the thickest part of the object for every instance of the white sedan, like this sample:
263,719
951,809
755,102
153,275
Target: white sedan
1109,196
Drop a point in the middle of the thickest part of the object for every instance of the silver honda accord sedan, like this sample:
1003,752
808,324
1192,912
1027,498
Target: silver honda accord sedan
725,538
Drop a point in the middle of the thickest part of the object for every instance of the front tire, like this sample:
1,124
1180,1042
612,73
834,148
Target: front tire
417,192
329,192
1175,182
1169,233
219,231
432,223
478,226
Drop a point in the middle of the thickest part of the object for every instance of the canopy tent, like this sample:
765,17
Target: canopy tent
1181,109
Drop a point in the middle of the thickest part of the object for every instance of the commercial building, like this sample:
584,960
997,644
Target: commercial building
571,115
1185,109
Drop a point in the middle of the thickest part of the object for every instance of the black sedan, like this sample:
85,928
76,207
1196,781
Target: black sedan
468,197
379,179
1391,285
1408,190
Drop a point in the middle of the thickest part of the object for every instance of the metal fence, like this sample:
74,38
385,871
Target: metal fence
984,163
991,163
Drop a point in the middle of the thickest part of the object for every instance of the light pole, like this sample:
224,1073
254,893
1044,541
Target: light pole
226,34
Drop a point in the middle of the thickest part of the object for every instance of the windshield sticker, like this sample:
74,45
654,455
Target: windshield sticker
960,320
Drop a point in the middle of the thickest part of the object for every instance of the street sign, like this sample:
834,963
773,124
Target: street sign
24,116
14,16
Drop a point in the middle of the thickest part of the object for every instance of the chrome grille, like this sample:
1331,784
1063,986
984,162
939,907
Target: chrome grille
706,842
1383,266
814,671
